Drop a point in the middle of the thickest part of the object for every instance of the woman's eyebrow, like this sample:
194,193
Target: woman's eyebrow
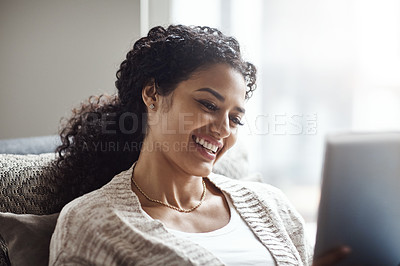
213,92
221,98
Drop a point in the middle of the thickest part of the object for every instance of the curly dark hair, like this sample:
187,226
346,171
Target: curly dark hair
103,136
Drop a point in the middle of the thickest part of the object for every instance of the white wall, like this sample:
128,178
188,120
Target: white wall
54,54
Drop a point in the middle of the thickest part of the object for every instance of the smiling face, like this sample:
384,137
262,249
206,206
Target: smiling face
196,124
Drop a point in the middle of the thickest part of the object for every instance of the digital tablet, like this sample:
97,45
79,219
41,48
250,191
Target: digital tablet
360,198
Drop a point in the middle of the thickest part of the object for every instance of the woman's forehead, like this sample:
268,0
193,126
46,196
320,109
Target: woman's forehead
220,77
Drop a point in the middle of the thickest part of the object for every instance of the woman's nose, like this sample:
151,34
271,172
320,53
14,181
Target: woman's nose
222,126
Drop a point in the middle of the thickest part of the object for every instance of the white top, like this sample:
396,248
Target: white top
234,244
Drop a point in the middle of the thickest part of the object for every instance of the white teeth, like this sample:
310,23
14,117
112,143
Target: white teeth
206,144
214,148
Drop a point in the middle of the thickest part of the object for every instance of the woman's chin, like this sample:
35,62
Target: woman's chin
203,169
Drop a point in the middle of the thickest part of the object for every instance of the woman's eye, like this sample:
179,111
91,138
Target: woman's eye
209,106
236,121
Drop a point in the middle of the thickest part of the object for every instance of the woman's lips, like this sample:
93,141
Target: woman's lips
208,142
205,152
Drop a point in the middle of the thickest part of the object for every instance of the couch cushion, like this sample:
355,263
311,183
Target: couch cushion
27,237
27,186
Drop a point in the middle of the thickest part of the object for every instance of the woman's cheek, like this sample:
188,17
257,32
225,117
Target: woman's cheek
229,142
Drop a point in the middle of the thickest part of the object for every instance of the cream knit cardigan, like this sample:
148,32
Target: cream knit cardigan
108,227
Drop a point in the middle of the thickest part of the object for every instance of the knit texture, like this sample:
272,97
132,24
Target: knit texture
108,227
27,186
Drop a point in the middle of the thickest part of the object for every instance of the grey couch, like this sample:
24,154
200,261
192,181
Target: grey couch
32,145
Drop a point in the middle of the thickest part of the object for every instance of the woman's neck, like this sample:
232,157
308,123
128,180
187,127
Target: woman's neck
162,179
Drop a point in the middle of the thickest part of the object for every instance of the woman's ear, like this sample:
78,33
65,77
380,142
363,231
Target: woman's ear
150,95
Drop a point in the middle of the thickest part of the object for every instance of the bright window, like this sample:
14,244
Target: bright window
324,66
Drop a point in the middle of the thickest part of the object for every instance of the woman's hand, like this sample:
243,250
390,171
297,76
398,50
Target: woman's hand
332,257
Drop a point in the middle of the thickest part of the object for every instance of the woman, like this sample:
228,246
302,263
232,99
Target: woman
181,95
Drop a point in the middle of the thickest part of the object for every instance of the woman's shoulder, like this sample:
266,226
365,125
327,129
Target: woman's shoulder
78,211
249,184
268,195
94,204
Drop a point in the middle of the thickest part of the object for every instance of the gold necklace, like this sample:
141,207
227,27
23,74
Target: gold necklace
203,196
